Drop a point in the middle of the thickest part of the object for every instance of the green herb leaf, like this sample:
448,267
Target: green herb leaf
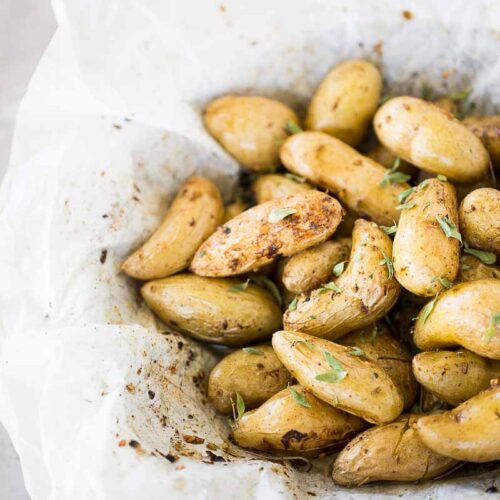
279,214
299,398
405,194
442,178
490,332
292,128
296,178
331,377
270,285
306,343
426,311
356,351
335,364
338,268
444,281
449,228
253,350
329,286
293,304
390,229
424,183
393,177
374,333
485,257
387,262
460,96
384,99
240,406
427,92
240,287
405,206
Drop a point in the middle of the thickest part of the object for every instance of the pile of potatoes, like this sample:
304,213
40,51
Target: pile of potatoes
359,300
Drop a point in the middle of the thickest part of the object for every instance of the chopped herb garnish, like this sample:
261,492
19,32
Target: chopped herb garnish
460,96
270,285
329,286
449,228
356,351
292,128
484,257
384,99
442,178
336,374
427,92
428,308
444,281
299,398
240,287
390,229
306,343
296,178
405,206
387,262
490,332
405,194
253,350
392,176
293,304
279,214
338,268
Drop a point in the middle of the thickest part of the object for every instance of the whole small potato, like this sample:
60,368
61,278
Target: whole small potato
267,231
255,373
345,101
360,183
425,258
272,186
221,311
384,157
431,138
309,268
194,215
472,268
286,294
487,128
377,344
469,432
480,219
234,209
363,293
454,376
391,452
462,315
338,376
430,403
295,422
250,128
447,104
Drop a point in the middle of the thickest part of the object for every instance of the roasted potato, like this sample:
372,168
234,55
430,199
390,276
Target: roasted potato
377,344
338,376
234,209
295,422
384,157
487,128
272,186
426,259
250,128
431,138
471,268
391,452
464,315
454,376
286,294
468,432
267,231
221,311
255,373
363,293
480,219
345,101
359,182
309,268
194,215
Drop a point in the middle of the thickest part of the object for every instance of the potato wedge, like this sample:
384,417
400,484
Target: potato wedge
480,219
463,315
376,343
309,268
267,231
336,375
468,432
487,128
272,186
431,138
425,258
294,421
345,101
391,452
234,209
454,376
194,215
254,372
363,293
250,128
358,181
222,311
472,268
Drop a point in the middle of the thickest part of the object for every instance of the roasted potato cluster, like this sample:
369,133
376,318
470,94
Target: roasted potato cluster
359,301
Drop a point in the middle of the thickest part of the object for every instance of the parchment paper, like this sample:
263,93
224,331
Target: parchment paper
99,404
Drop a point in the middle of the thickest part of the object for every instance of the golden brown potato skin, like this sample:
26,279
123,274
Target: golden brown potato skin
454,376
380,346
487,128
366,391
472,268
272,186
462,316
354,178
194,215
422,251
391,452
314,266
250,241
234,209
468,432
431,138
255,375
367,292
345,101
208,310
250,128
480,219
384,157
283,425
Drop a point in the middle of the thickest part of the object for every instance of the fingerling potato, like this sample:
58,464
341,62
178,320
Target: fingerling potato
194,215
222,311
471,268
272,186
267,231
250,128
431,138
487,128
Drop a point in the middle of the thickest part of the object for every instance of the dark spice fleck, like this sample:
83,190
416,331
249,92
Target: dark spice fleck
227,230
292,435
491,489
104,254
134,444
180,345
214,458
151,394
193,439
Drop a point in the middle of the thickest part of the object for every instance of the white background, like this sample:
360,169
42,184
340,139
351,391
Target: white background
25,30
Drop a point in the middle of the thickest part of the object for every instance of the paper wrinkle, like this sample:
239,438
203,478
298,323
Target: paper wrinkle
109,129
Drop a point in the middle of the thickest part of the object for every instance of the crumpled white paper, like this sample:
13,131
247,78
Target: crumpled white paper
98,404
